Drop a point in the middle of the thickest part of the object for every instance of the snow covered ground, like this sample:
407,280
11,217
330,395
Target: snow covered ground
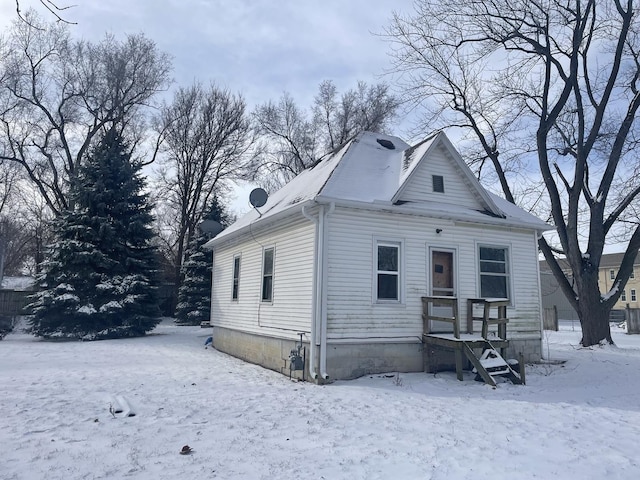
576,420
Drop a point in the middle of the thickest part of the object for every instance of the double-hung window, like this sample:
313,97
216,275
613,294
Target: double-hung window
236,278
388,271
623,296
633,295
494,272
612,274
268,255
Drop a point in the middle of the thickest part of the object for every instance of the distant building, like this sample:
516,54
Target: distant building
552,295
608,271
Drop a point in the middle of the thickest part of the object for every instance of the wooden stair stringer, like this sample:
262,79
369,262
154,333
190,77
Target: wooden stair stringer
511,374
475,361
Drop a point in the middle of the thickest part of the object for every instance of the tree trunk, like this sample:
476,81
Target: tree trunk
594,319
591,307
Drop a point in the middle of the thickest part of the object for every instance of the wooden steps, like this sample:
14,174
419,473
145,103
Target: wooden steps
491,364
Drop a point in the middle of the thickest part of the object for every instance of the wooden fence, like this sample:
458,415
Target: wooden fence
632,318
12,302
550,319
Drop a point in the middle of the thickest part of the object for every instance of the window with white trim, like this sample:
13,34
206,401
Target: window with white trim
494,272
623,296
387,272
633,295
633,275
268,256
612,274
236,278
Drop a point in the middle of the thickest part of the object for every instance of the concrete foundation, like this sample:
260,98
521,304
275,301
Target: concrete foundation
352,360
269,352
346,361
440,359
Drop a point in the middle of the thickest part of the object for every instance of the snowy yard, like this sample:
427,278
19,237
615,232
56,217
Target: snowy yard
577,420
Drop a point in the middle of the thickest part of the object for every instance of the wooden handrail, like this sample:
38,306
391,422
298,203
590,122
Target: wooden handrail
488,303
448,301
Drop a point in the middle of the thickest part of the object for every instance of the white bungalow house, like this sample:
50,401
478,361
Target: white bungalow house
345,251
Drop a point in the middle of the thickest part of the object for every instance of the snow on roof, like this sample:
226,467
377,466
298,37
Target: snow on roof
517,214
413,154
370,170
301,189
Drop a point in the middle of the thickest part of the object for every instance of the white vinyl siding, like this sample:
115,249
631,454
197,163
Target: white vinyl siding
290,311
420,186
352,316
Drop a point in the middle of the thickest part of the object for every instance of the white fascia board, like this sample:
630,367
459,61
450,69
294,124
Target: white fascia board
470,216
258,224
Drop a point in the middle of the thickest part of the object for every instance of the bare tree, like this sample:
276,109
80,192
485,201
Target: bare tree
25,230
293,139
205,137
57,94
9,179
549,90
56,9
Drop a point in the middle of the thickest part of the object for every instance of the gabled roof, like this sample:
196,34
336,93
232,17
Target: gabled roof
371,172
414,156
610,260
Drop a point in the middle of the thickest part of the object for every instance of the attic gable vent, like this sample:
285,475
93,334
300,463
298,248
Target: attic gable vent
386,143
438,183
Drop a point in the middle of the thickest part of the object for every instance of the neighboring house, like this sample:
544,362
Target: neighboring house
345,251
553,296
607,271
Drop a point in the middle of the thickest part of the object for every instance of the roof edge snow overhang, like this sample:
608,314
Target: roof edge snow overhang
474,216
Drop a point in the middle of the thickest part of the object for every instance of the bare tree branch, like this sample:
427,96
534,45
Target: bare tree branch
293,140
52,7
58,94
560,78
205,141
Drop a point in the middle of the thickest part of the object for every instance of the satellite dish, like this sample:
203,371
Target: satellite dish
258,197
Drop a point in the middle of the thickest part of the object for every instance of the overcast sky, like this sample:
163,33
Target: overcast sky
259,48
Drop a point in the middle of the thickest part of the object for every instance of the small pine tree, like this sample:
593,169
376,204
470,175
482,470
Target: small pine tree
194,294
100,276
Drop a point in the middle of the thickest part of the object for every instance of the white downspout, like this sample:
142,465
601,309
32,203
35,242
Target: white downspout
324,285
316,294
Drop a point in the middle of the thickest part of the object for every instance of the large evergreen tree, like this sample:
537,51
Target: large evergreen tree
194,294
100,275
